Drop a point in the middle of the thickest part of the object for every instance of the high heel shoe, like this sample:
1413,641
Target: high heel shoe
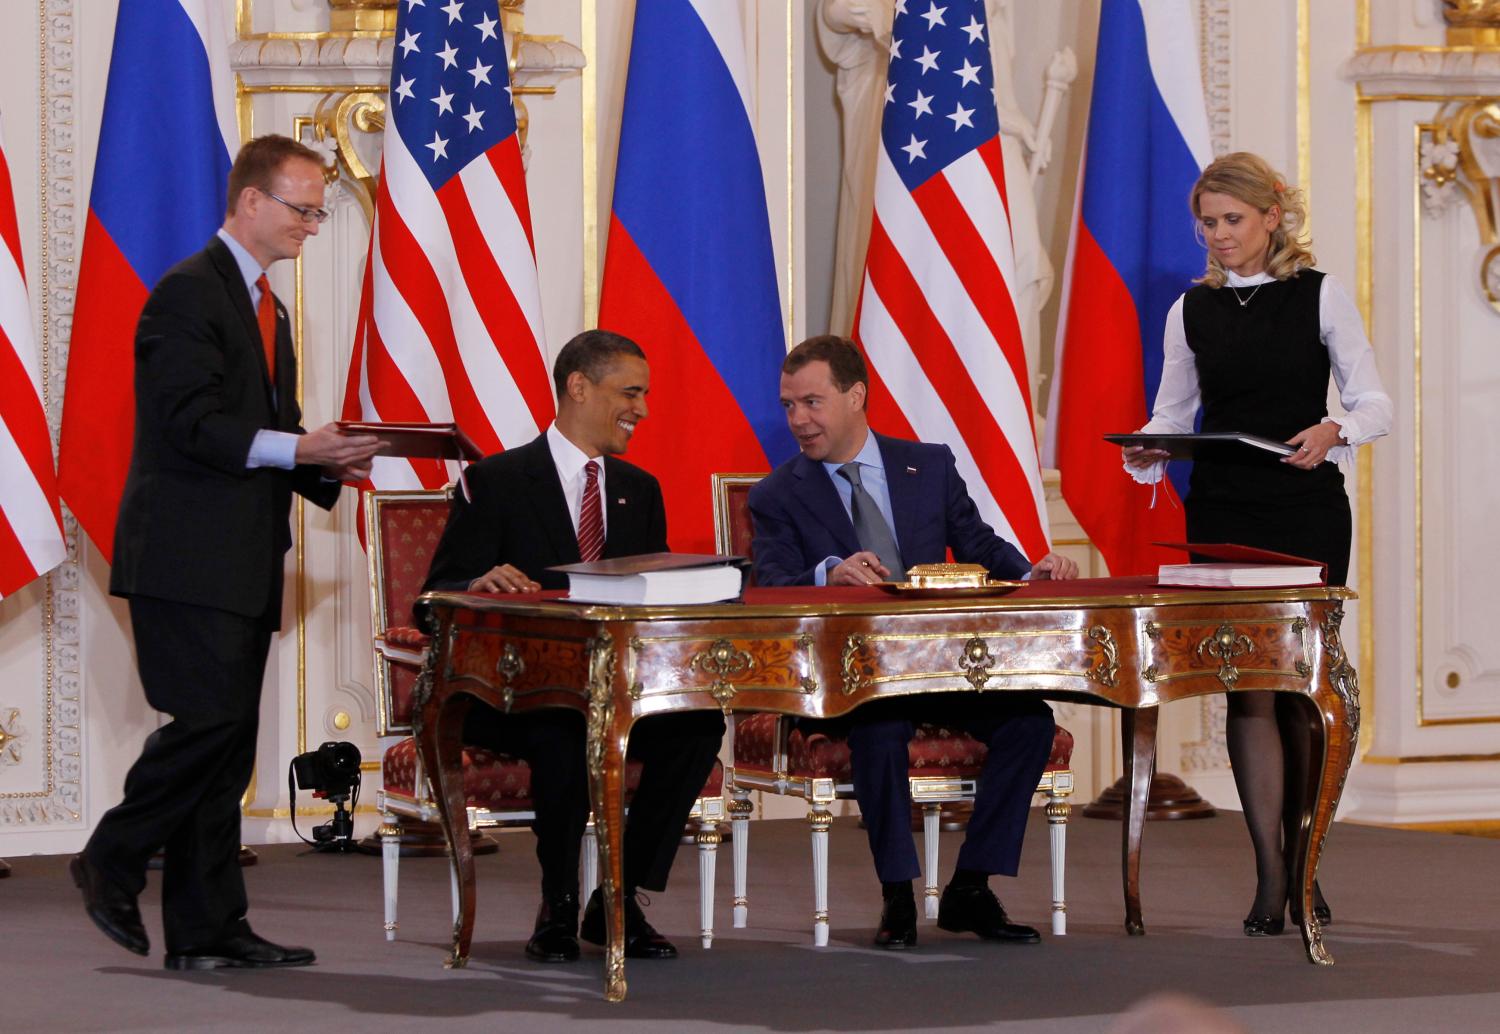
1264,926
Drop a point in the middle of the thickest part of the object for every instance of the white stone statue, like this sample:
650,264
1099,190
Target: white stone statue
855,36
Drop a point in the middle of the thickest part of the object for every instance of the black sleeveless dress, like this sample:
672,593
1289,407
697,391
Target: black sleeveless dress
1263,369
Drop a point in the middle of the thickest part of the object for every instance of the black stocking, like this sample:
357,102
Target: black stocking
1294,718
1270,741
1255,752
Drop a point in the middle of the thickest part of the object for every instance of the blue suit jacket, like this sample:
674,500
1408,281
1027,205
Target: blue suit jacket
800,520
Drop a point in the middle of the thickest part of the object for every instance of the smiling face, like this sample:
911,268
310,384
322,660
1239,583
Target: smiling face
600,417
830,425
1238,235
270,230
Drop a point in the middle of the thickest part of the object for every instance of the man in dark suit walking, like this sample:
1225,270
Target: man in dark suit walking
856,508
562,498
199,541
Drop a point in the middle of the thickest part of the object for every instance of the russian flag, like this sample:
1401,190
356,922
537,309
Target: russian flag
1131,252
689,272
160,181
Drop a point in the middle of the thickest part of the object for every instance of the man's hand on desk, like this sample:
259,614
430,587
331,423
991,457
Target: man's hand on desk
1054,566
504,578
343,457
863,568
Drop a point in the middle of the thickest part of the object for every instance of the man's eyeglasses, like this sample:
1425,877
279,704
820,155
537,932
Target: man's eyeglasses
309,215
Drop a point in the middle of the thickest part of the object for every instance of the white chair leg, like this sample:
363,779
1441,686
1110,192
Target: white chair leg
708,857
820,819
930,815
1058,810
453,889
390,862
589,852
739,824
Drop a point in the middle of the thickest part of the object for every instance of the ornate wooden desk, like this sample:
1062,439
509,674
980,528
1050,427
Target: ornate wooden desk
821,652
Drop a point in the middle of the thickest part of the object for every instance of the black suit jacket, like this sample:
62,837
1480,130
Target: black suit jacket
195,524
800,520
517,515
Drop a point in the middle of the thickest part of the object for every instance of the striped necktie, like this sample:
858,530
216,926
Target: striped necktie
591,515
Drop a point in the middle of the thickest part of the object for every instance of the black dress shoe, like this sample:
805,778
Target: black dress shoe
113,910
1264,926
244,949
555,938
641,939
975,909
898,923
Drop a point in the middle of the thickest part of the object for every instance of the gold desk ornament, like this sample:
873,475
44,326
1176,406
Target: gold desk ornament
932,580
947,576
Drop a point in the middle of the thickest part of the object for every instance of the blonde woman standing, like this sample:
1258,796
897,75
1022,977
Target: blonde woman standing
1253,346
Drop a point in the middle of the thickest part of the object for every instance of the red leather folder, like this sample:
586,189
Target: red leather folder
1233,553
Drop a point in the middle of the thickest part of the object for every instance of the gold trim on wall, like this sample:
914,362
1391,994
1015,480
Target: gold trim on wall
1427,759
1304,104
1365,295
589,31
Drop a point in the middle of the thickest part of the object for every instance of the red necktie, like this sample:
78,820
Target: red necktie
591,515
265,315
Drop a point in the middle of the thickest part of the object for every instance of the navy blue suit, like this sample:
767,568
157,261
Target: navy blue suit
800,521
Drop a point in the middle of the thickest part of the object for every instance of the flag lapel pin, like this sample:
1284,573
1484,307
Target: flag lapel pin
911,470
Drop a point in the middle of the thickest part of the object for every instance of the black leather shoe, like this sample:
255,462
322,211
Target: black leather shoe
641,939
555,938
113,910
898,923
243,950
977,910
1264,926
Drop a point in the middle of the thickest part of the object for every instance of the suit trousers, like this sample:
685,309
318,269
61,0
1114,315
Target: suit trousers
203,667
676,751
1017,729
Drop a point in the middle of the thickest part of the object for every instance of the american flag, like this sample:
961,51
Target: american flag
31,535
450,318
936,318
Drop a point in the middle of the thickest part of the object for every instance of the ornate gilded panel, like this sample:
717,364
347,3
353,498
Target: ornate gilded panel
723,667
985,659
1228,650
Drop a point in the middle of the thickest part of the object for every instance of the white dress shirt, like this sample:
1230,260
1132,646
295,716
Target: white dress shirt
1367,408
570,460
269,448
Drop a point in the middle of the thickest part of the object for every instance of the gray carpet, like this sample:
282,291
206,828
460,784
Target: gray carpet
1414,936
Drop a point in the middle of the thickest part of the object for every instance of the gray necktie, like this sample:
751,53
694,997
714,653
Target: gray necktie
873,532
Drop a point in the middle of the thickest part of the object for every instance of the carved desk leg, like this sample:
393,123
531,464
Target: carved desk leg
608,730
439,720
1138,731
1336,696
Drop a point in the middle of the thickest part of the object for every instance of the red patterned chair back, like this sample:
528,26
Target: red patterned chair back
733,532
402,529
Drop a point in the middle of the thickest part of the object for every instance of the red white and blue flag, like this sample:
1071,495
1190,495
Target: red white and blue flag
689,271
1132,252
936,317
450,316
31,534
160,180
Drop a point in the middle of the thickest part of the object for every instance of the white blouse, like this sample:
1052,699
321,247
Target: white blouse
1367,407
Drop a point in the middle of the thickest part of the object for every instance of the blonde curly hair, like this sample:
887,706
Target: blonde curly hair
1249,179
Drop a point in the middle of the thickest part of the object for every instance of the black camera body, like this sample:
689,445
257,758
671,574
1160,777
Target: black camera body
331,772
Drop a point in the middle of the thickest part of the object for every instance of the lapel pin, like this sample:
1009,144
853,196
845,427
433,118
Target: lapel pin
911,470
620,501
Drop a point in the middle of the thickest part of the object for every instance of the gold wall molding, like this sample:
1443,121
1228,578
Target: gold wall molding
1473,21
1460,160
57,800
